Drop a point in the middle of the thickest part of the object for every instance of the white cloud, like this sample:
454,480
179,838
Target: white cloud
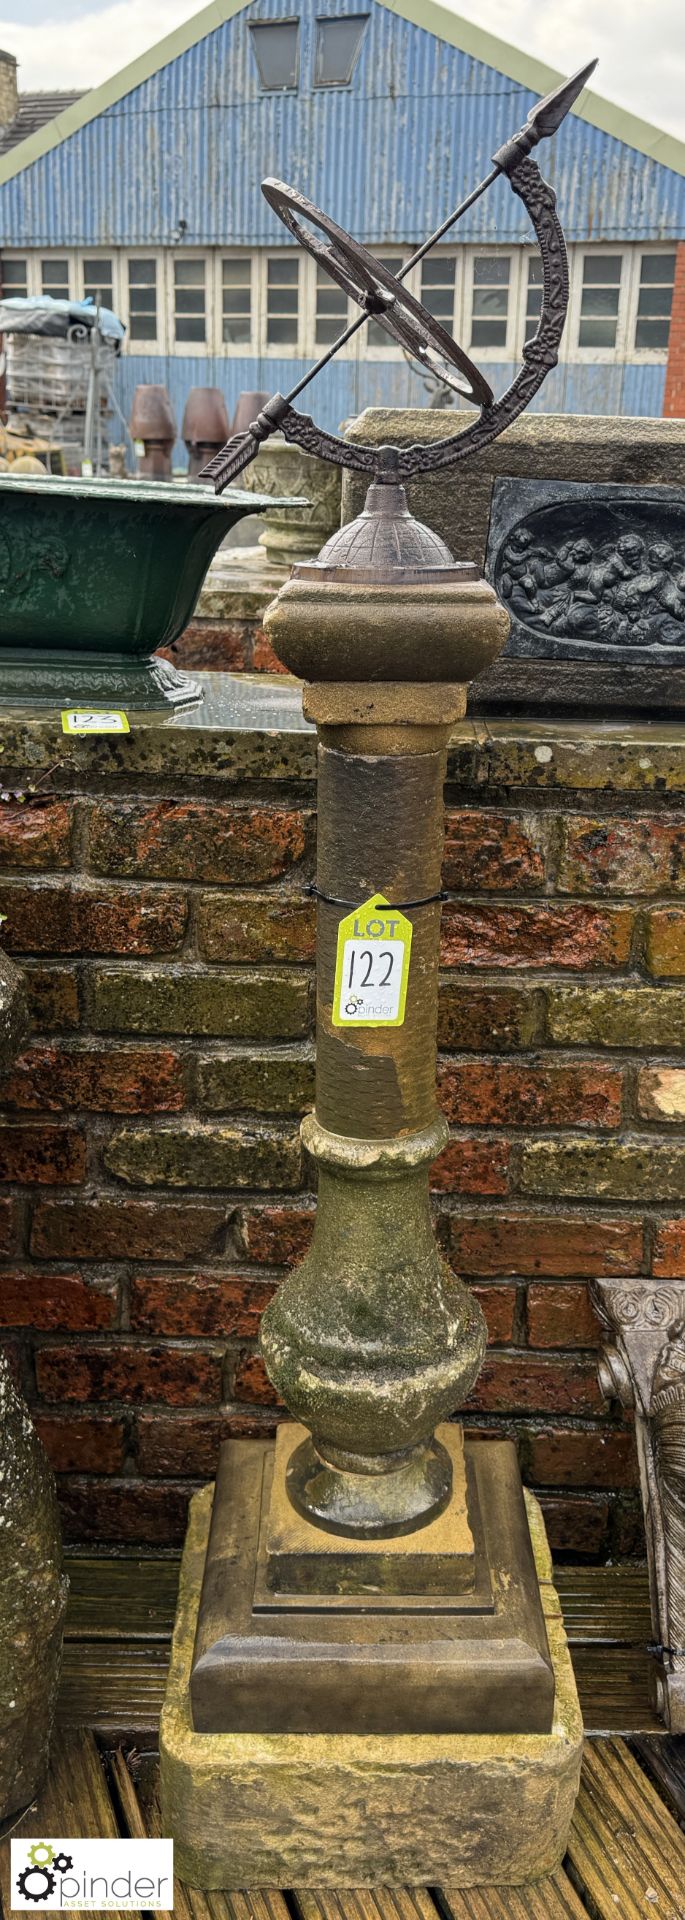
641,43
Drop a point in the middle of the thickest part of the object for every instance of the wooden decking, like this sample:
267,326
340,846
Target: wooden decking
626,1856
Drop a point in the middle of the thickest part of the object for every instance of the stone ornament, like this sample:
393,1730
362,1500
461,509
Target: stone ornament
643,1366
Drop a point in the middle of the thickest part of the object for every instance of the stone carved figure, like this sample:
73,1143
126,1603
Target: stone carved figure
643,1366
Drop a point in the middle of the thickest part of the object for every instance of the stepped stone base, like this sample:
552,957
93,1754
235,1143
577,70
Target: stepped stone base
329,1810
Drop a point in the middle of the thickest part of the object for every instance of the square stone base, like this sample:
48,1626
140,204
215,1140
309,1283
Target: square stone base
348,1810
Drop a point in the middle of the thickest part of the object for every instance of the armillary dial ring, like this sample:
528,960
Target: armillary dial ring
375,289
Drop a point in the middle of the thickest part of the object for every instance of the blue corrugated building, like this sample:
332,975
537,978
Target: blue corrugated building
147,190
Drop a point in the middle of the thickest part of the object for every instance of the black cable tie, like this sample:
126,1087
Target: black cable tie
397,906
672,1653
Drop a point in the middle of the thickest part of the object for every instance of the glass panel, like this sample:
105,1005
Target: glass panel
375,335
337,49
597,333
283,273
14,278
599,300
490,300
488,333
437,288
187,329
656,300
658,267
281,332
55,278
491,271
142,299
652,334
236,302
237,273
275,48
602,269
97,281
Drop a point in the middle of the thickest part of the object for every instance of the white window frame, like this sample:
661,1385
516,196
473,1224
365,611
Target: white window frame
650,356
233,349
601,356
163,341
508,349
285,349
188,349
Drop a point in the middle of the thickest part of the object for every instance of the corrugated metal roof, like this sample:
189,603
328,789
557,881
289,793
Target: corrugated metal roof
388,156
35,110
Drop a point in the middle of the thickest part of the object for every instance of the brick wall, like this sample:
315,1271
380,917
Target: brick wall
153,1190
674,390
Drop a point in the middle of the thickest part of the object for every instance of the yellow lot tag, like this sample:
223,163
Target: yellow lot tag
84,720
372,966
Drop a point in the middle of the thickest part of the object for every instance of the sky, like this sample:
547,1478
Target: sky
640,43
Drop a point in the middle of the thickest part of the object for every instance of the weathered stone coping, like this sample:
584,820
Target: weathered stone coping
250,727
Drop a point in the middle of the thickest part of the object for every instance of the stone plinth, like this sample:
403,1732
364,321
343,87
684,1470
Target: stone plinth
447,1809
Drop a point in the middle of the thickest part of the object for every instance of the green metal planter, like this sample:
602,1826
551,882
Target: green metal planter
94,576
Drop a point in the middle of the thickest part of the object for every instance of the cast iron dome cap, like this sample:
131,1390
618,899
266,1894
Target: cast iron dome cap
383,540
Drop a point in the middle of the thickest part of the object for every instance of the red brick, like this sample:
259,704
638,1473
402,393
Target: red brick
472,1166
276,1236
82,1442
181,1444
561,1317
674,390
580,1457
576,1524
35,834
123,1511
198,840
82,917
501,1019
487,852
98,1080
628,1528
115,1370
629,856
669,1250
554,1244
264,660
115,1229
9,1226
13,1352
206,1303
53,998
45,1156
524,1383
244,928
499,1307
574,937
251,1382
56,1300
212,646
494,1093
666,943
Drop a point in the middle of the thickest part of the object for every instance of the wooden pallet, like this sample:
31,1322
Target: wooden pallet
626,1857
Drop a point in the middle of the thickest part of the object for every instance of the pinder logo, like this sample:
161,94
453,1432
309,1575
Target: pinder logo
92,1875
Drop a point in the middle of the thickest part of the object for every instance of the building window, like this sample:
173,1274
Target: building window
338,44
654,301
275,44
54,275
14,277
438,273
236,302
533,296
490,310
331,309
599,299
97,282
282,301
189,299
376,336
142,299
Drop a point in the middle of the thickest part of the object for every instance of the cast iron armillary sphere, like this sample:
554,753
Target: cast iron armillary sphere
382,297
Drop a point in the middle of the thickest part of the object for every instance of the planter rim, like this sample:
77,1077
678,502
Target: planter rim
155,491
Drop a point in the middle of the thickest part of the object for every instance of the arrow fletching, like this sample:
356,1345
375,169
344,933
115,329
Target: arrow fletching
229,461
